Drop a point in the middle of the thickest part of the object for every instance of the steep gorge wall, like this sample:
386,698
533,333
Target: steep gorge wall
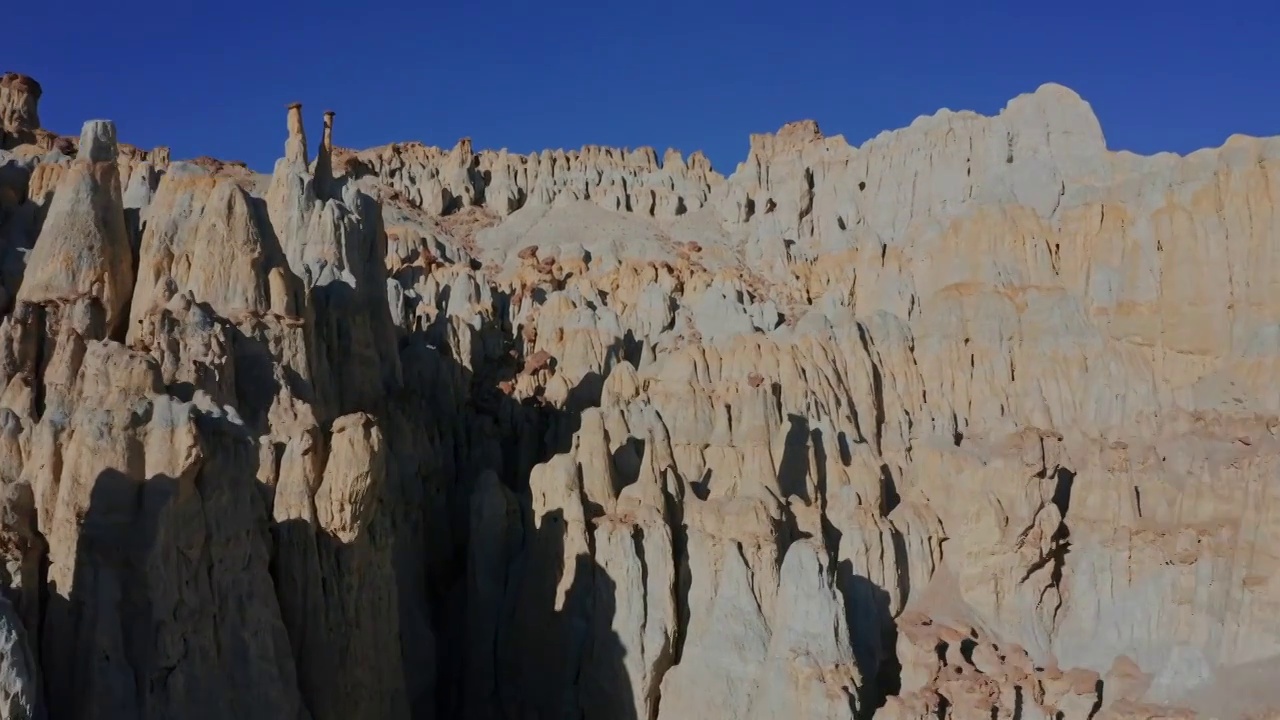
891,430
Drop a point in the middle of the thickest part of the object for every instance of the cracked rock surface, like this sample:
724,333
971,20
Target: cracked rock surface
975,420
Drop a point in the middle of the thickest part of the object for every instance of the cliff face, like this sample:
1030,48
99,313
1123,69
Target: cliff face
975,419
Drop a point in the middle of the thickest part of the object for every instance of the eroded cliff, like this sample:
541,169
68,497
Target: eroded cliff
974,420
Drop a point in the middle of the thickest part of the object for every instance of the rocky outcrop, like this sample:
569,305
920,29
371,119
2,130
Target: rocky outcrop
19,109
442,181
83,250
899,430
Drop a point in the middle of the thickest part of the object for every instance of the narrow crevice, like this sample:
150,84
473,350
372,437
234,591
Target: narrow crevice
684,579
37,382
889,490
1062,491
1097,701
877,387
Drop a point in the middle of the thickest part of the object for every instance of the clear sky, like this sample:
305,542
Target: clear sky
212,78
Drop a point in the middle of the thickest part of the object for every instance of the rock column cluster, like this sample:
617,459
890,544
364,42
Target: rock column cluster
974,420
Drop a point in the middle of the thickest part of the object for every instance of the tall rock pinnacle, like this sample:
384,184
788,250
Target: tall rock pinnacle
324,157
295,148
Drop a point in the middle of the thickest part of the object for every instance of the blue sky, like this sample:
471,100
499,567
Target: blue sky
212,78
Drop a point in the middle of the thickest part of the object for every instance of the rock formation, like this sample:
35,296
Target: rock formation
973,420
19,109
